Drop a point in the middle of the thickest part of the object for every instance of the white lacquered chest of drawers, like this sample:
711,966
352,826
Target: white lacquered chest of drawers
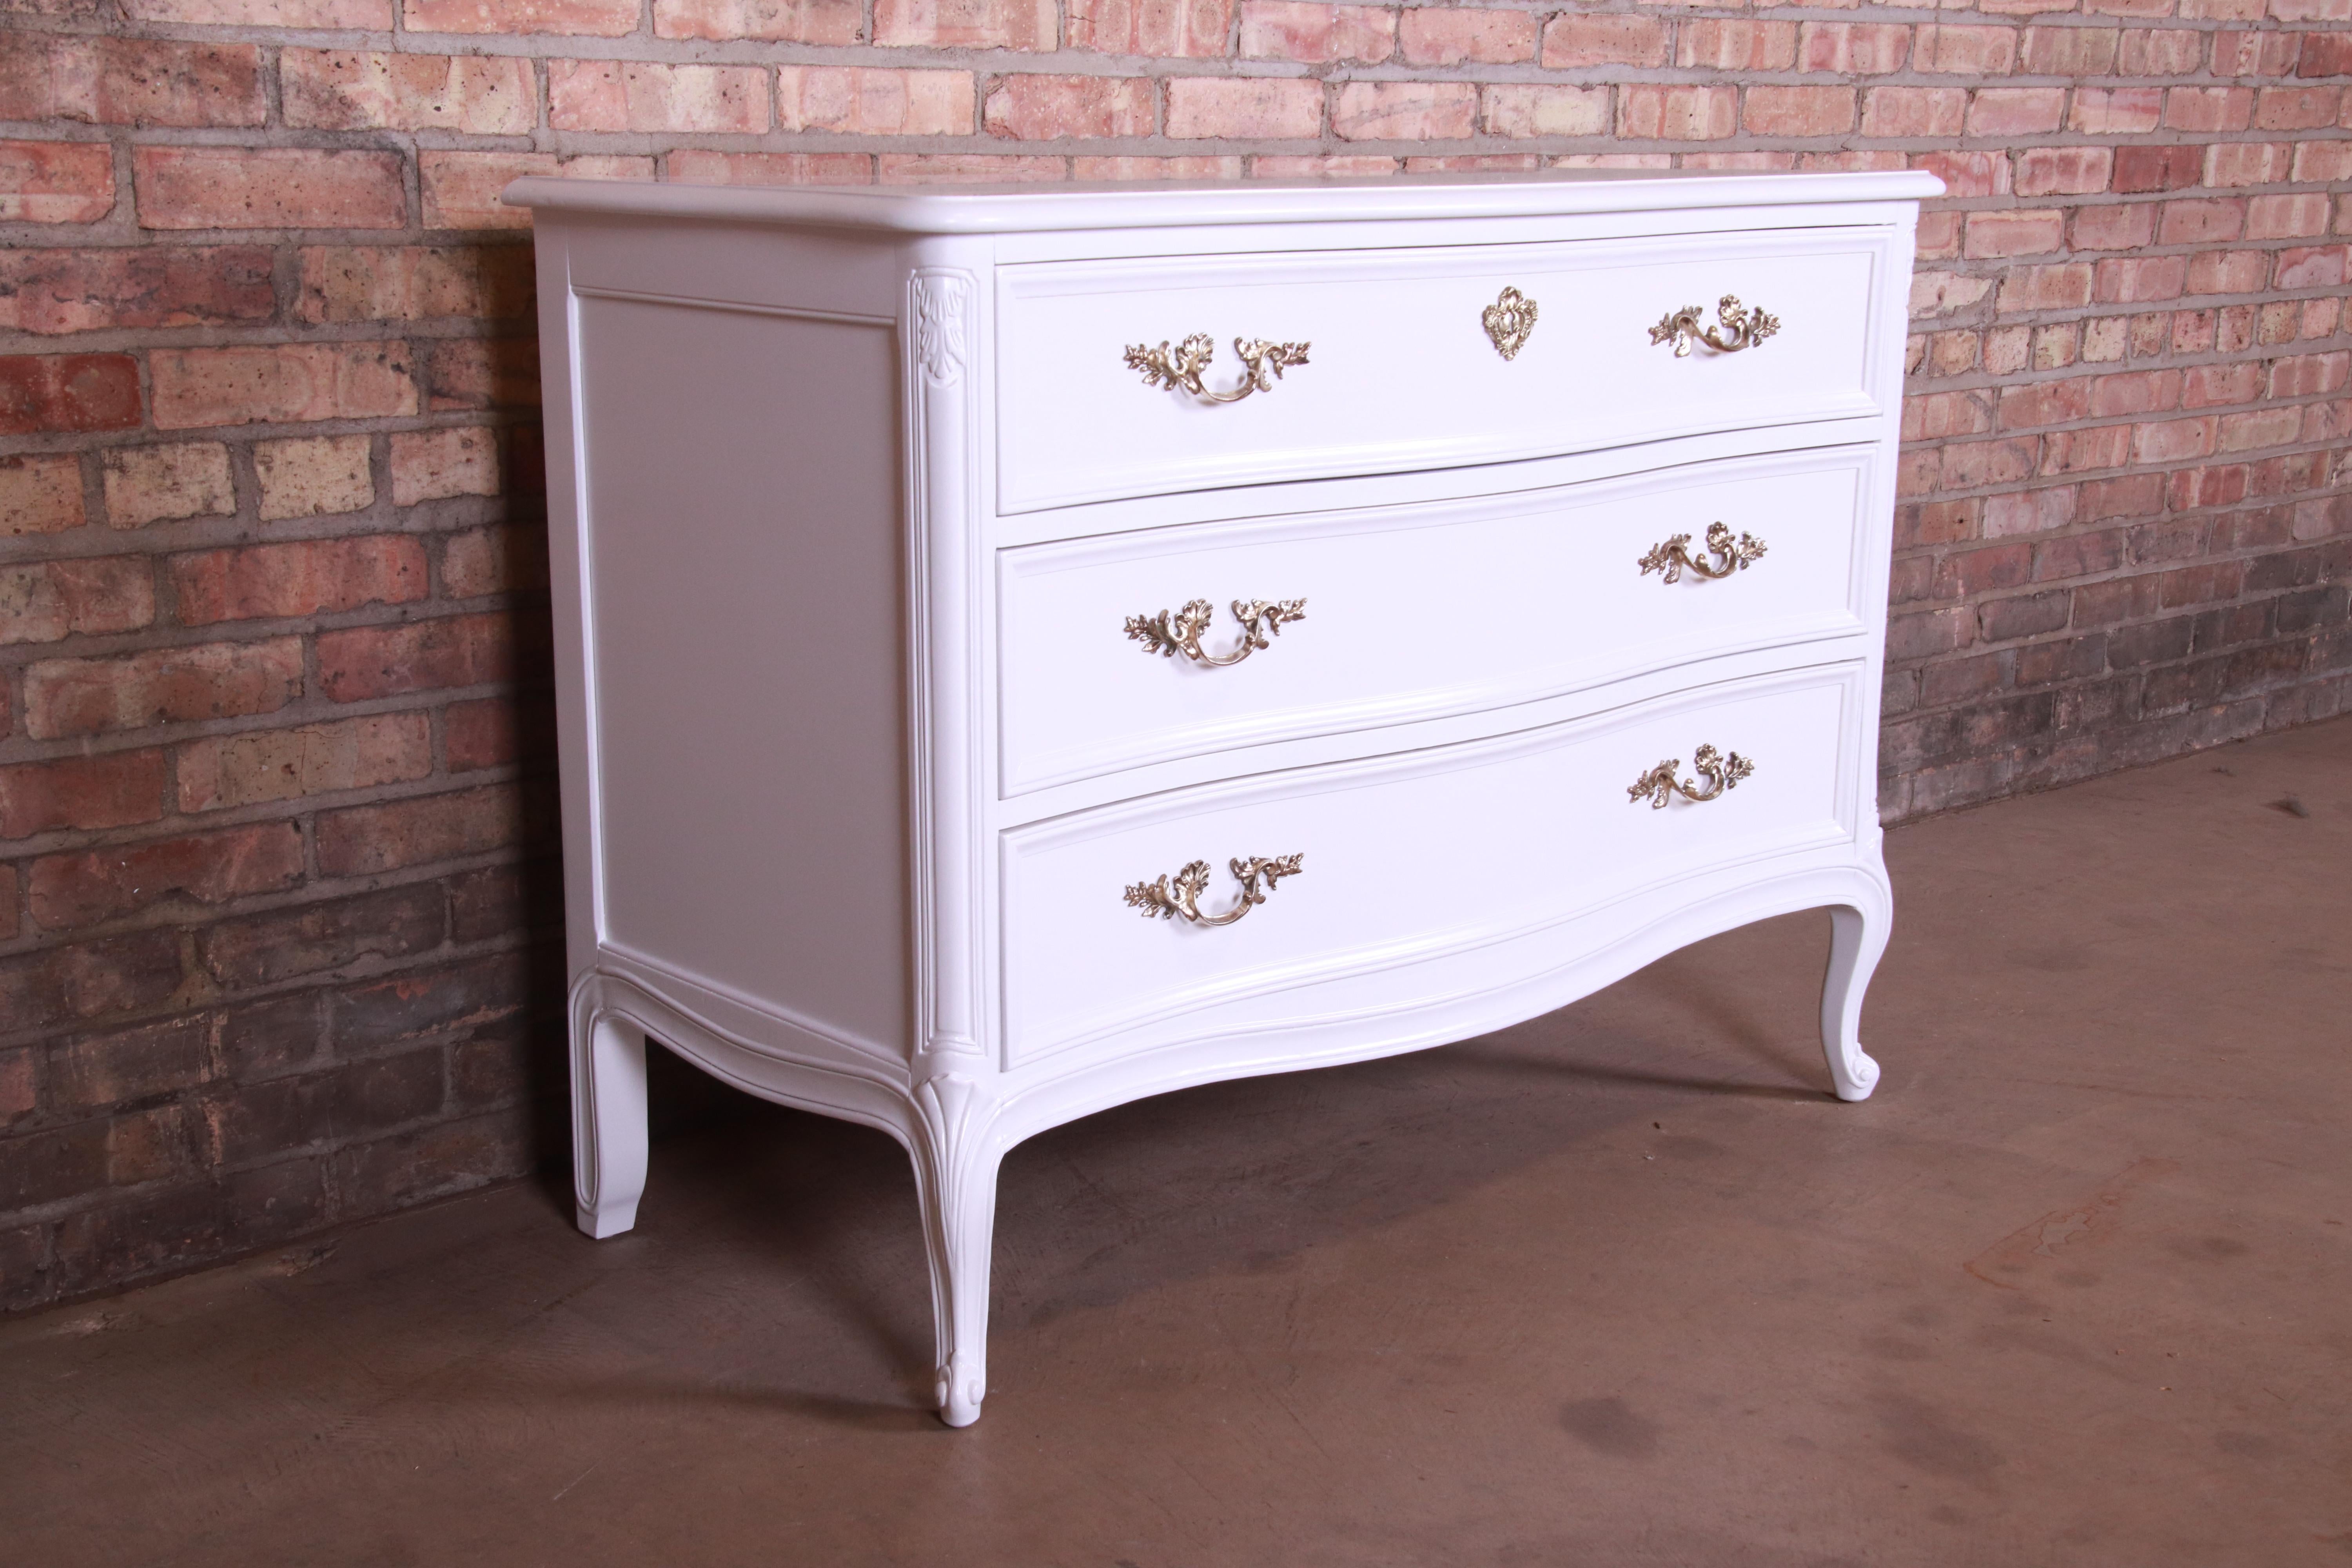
1023,650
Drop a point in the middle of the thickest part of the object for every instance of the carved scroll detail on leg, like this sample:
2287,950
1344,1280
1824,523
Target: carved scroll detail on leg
1857,938
608,1122
955,1178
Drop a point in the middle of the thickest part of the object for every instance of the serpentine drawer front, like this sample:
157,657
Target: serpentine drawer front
1395,365
1021,650
1406,611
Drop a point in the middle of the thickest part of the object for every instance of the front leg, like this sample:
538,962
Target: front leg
955,1181
608,1123
1857,937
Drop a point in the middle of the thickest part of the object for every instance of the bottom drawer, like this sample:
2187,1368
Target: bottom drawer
1408,856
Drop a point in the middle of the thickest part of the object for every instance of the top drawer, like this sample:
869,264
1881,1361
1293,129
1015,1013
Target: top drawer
1401,371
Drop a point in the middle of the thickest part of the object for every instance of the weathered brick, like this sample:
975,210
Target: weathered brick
2202,222
2296,108
113,789
1853,48
2068,51
312,939
454,460
1654,111
1405,111
1049,108
962,168
1204,107
2015,233
462,996
364,839
2208,107
1572,41
54,986
43,393
2021,111
56,182
407,283
1799,111
91,290
268,187
1913,112
1194,168
699,166
313,476
774,21
479,374
2160,51
1517,110
630,95
461,190
2158,168
155,484
362,89
304,578
211,680
1450,36
374,15
1317,34
280,384
40,494
1108,27
366,662
2291,216
115,81
2120,226
2056,286
1161,29
45,600
599,19
500,558
67,891
312,759
2114,111
1940,50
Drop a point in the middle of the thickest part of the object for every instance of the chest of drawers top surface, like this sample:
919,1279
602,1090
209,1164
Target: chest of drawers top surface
1020,650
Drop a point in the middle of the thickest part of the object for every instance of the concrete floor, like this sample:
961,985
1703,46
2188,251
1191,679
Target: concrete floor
1622,1285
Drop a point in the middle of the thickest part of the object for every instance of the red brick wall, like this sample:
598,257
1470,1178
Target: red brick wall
272,761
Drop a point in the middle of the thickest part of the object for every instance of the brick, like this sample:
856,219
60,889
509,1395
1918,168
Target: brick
89,980
280,384
2287,216
2296,108
1452,36
2158,168
56,182
83,290
1048,108
307,577
409,283
462,996
220,771
1196,168
1161,29
43,600
461,190
772,21
2227,271
2086,451
1967,174
268,187
2219,484
1799,111
709,168
2124,226
363,90
42,392
2057,286
1913,110
1405,111
365,839
45,1166
2172,440
2133,280
2257,428
2322,54
213,680
112,80
1572,42
641,96
432,465
1031,24
129,1065
2015,233
1853,48
1203,107
2068,51
2160,51
313,476
2132,495
2135,392
68,891
479,374
365,662
2063,171
1939,50
1317,34
2215,385
1651,111
2246,162
2045,403
2202,222
433,1162
40,495
2117,111
963,168
2208,107
500,558
155,484
2310,267
597,18
1514,110
2323,161
311,939
2030,511
371,14
483,734
2258,54
113,789
1727,44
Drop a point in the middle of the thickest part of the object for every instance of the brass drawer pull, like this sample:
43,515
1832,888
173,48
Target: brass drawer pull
1172,632
1181,370
1182,897
1508,321
1720,771
1731,554
1741,328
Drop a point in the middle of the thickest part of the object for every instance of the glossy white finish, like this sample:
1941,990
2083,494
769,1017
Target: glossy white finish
852,495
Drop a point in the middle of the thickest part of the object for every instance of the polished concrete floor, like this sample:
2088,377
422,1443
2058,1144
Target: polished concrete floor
1622,1285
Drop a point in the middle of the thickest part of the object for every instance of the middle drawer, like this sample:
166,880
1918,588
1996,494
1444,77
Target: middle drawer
1414,612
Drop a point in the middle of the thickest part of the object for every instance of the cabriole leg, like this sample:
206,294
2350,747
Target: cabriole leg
1857,937
955,1180
608,1124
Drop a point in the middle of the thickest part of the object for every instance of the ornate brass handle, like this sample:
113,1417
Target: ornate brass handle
1182,897
1182,368
1172,632
1731,554
1508,321
1741,328
1721,773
